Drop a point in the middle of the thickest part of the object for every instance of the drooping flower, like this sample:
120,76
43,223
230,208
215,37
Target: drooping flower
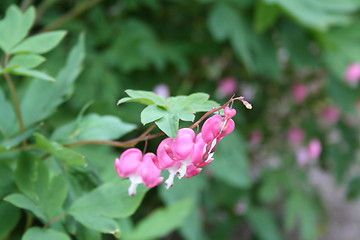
300,92
352,75
138,168
176,155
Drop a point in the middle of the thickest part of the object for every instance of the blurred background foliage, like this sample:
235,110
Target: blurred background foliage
287,57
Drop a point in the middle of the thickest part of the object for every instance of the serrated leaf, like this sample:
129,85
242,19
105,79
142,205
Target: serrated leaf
59,151
44,234
9,217
144,97
92,127
15,26
40,43
41,97
109,200
152,113
98,223
32,73
22,201
27,61
162,221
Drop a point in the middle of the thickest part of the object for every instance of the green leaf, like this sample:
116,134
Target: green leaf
265,15
353,190
7,116
27,60
15,26
36,233
152,113
32,73
109,200
342,94
59,151
222,21
41,97
169,124
320,14
231,163
9,217
162,221
144,97
21,201
98,223
92,127
12,142
40,43
263,224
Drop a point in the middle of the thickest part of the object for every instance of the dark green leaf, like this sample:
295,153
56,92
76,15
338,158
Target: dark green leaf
98,223
231,163
22,201
9,217
264,224
7,117
265,15
92,127
36,233
353,190
162,221
40,43
59,151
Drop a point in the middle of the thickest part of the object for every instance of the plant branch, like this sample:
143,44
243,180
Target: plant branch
75,12
145,136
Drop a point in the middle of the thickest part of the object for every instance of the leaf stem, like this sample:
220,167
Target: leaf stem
55,219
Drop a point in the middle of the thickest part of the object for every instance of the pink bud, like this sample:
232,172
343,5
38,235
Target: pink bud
331,114
295,136
227,87
314,149
162,90
300,92
229,112
138,168
352,75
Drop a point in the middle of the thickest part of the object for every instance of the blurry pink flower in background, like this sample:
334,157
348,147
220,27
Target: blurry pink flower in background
256,137
331,114
227,87
162,90
302,157
314,149
295,136
300,92
352,75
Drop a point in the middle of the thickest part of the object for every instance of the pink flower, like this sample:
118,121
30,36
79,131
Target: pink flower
138,168
302,157
227,87
295,136
352,75
314,149
176,155
300,92
331,114
256,137
162,90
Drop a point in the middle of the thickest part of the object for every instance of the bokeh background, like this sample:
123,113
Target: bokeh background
291,168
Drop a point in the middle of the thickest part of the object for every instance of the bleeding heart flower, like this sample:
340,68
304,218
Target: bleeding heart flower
138,168
227,87
352,75
314,149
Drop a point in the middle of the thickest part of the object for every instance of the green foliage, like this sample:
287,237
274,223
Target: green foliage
167,113
42,234
264,224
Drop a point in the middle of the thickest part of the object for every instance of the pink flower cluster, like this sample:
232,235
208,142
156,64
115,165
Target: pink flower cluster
183,156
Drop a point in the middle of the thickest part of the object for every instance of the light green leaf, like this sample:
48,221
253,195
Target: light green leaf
32,73
9,217
162,221
22,201
36,233
169,124
152,113
12,142
59,151
144,97
92,127
231,163
98,223
15,26
263,224
40,43
222,21
109,200
27,61
7,116
41,97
